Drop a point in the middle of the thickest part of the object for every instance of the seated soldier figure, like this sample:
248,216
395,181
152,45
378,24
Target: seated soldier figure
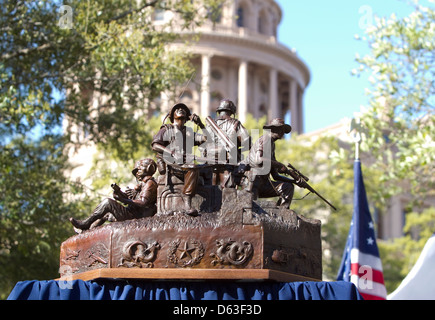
140,201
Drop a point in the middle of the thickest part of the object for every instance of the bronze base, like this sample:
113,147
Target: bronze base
245,239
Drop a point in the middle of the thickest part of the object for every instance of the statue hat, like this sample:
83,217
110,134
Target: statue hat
178,106
277,123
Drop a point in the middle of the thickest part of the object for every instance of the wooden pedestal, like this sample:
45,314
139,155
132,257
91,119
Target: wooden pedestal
189,275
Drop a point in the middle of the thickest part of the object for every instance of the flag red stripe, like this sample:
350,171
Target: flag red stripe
377,276
371,297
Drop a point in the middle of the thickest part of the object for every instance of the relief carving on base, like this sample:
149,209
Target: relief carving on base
97,256
289,255
137,253
232,252
185,253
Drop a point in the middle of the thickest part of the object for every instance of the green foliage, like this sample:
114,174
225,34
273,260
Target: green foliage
257,124
398,127
110,166
35,205
99,72
400,254
400,119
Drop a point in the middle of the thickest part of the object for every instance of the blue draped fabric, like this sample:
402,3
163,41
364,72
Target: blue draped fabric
182,290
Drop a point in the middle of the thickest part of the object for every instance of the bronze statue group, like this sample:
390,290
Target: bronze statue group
223,142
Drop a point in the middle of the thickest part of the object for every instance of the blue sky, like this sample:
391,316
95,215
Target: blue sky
323,33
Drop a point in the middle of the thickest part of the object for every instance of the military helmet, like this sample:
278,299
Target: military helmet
227,105
176,107
148,163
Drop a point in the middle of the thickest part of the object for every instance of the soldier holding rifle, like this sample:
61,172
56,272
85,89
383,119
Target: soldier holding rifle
263,164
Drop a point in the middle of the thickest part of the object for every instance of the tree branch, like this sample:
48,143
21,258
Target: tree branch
24,51
126,13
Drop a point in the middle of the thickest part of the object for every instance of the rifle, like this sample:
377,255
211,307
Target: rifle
226,141
301,181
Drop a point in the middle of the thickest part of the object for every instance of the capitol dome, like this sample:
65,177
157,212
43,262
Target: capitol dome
238,57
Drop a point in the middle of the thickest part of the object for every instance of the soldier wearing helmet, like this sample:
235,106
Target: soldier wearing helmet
226,105
140,201
237,133
174,144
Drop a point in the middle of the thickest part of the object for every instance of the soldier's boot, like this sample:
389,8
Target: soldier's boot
188,206
284,203
100,211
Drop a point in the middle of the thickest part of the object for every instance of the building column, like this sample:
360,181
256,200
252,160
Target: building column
301,110
205,85
243,91
294,107
256,95
274,111
231,10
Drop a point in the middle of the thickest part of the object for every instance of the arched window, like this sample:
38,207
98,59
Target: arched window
240,13
216,74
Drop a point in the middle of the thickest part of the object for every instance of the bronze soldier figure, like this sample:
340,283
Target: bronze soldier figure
236,133
263,164
174,143
140,201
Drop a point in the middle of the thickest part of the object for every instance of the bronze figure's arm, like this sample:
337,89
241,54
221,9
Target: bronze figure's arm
123,197
117,191
277,168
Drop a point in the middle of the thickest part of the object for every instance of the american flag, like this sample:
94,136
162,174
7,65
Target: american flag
361,263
